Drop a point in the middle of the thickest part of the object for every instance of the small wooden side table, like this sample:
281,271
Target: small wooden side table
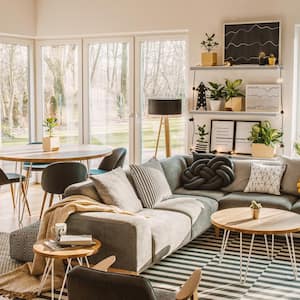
80,253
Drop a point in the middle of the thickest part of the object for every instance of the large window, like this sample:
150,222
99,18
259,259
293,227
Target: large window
162,74
14,93
109,92
60,88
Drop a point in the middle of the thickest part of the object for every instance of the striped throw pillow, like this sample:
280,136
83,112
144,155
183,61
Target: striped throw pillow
150,183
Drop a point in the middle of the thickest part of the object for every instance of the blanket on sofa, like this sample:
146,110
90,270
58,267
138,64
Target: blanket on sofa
24,281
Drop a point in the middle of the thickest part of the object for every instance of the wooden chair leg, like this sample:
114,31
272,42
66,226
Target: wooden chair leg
12,191
27,176
25,198
51,200
43,204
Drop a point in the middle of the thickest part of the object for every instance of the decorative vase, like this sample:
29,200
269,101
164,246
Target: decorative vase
201,147
215,105
255,213
208,59
272,61
262,150
50,143
235,104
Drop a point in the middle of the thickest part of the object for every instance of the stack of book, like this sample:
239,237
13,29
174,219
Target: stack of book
70,242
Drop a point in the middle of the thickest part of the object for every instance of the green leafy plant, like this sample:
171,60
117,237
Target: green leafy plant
255,205
232,88
202,133
216,90
297,147
263,133
50,124
209,44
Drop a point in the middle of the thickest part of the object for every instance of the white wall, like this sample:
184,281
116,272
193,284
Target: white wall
18,17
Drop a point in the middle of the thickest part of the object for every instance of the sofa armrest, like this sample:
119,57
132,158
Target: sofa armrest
126,237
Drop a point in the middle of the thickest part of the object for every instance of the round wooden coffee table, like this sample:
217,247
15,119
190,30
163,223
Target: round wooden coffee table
79,253
271,221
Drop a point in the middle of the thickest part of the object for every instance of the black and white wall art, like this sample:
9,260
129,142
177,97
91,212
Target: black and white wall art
244,41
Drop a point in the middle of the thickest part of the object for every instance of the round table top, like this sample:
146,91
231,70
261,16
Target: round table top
34,153
270,221
79,251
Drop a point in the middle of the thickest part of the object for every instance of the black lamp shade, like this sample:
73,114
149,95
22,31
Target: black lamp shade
163,107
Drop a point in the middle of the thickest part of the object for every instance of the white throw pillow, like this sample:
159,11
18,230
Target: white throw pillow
265,179
150,182
114,188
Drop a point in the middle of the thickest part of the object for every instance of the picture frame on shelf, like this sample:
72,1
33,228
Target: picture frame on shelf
222,136
244,41
263,98
242,132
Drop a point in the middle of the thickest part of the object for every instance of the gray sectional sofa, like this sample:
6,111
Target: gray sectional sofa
152,234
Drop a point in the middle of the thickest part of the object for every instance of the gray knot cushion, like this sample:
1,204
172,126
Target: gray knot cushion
209,173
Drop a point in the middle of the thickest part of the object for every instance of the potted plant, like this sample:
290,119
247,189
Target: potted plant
50,142
216,95
233,95
209,58
201,143
255,208
264,139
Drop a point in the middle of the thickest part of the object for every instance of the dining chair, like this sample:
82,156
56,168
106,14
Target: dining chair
11,179
58,176
113,161
85,283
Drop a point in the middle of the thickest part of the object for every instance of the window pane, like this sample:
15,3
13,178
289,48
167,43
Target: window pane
60,81
163,64
14,94
109,93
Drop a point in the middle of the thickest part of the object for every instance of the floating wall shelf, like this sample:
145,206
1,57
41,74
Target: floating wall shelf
235,113
238,67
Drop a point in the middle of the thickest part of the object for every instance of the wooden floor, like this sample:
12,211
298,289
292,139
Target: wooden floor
9,216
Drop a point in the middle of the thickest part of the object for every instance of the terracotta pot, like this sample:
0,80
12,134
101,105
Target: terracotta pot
255,213
235,104
50,143
208,59
262,150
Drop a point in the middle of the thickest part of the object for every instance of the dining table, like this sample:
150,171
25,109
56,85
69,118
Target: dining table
33,153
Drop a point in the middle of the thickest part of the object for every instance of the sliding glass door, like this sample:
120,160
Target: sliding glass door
161,73
109,91
60,87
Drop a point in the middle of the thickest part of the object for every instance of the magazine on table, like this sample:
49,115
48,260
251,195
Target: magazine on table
68,242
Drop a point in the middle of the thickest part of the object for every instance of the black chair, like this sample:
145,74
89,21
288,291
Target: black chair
58,176
35,167
85,283
113,161
11,178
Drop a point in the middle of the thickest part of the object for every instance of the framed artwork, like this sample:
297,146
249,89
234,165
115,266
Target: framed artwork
244,41
242,132
222,136
263,97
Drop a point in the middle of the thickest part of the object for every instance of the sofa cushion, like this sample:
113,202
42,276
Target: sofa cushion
265,179
296,206
239,199
199,209
173,168
170,230
150,182
291,175
216,195
115,189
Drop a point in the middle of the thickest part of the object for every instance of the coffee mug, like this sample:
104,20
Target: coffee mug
60,229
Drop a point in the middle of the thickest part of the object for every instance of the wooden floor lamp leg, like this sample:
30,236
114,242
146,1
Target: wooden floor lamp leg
158,136
43,204
25,198
167,136
12,191
51,200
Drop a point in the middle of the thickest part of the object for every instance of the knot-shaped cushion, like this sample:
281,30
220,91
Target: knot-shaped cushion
209,174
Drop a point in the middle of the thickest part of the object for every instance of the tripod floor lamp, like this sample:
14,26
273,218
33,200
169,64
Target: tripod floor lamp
164,108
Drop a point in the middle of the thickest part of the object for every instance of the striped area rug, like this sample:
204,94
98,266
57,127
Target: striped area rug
266,279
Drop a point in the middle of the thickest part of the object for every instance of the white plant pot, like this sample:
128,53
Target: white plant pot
50,143
201,147
215,105
263,151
